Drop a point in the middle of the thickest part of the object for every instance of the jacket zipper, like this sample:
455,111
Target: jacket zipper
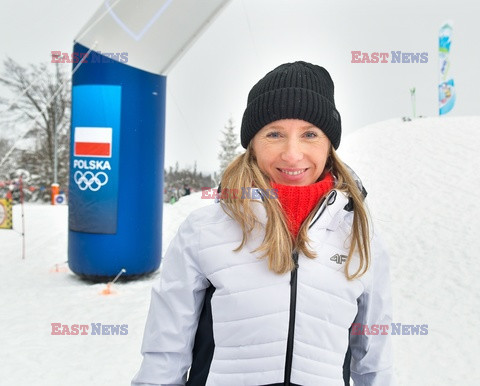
291,322
293,296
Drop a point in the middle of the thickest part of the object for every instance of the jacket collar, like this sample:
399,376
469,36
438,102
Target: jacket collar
328,216
332,211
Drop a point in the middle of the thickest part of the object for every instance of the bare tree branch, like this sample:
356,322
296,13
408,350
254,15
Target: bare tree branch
42,101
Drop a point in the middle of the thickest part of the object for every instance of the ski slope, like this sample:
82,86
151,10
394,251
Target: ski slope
423,182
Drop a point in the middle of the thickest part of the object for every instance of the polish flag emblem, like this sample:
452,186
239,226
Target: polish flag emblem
93,142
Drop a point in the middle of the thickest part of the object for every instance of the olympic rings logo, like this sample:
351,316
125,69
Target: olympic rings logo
89,180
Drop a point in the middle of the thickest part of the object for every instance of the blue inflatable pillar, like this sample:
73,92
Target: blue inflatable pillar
116,168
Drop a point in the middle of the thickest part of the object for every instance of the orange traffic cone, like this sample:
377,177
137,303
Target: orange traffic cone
108,290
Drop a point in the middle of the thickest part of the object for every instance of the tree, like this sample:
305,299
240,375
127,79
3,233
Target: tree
10,164
41,103
229,145
177,180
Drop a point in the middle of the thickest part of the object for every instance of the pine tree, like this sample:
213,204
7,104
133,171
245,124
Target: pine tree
229,145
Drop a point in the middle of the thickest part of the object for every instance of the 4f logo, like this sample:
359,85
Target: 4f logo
339,259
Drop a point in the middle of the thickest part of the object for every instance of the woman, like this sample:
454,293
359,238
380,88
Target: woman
262,288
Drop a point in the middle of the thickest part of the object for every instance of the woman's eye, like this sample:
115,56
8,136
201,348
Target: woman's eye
273,134
311,134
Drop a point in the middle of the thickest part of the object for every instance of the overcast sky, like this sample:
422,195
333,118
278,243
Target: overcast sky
250,37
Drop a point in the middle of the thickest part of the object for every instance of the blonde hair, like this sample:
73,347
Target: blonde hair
278,244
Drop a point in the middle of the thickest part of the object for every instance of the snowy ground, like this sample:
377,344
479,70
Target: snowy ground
423,183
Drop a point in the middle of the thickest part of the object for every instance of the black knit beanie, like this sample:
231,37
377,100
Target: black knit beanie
296,90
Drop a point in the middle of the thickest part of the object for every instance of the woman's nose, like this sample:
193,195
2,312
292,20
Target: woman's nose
292,152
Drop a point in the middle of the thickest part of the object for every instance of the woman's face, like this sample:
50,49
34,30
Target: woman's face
291,151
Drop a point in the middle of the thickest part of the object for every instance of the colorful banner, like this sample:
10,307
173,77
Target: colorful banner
95,158
5,213
446,87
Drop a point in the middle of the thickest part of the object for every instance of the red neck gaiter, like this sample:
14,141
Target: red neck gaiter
298,201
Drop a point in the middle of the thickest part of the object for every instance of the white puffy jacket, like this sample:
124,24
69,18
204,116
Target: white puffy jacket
268,329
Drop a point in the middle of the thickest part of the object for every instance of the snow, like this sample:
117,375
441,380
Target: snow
423,181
